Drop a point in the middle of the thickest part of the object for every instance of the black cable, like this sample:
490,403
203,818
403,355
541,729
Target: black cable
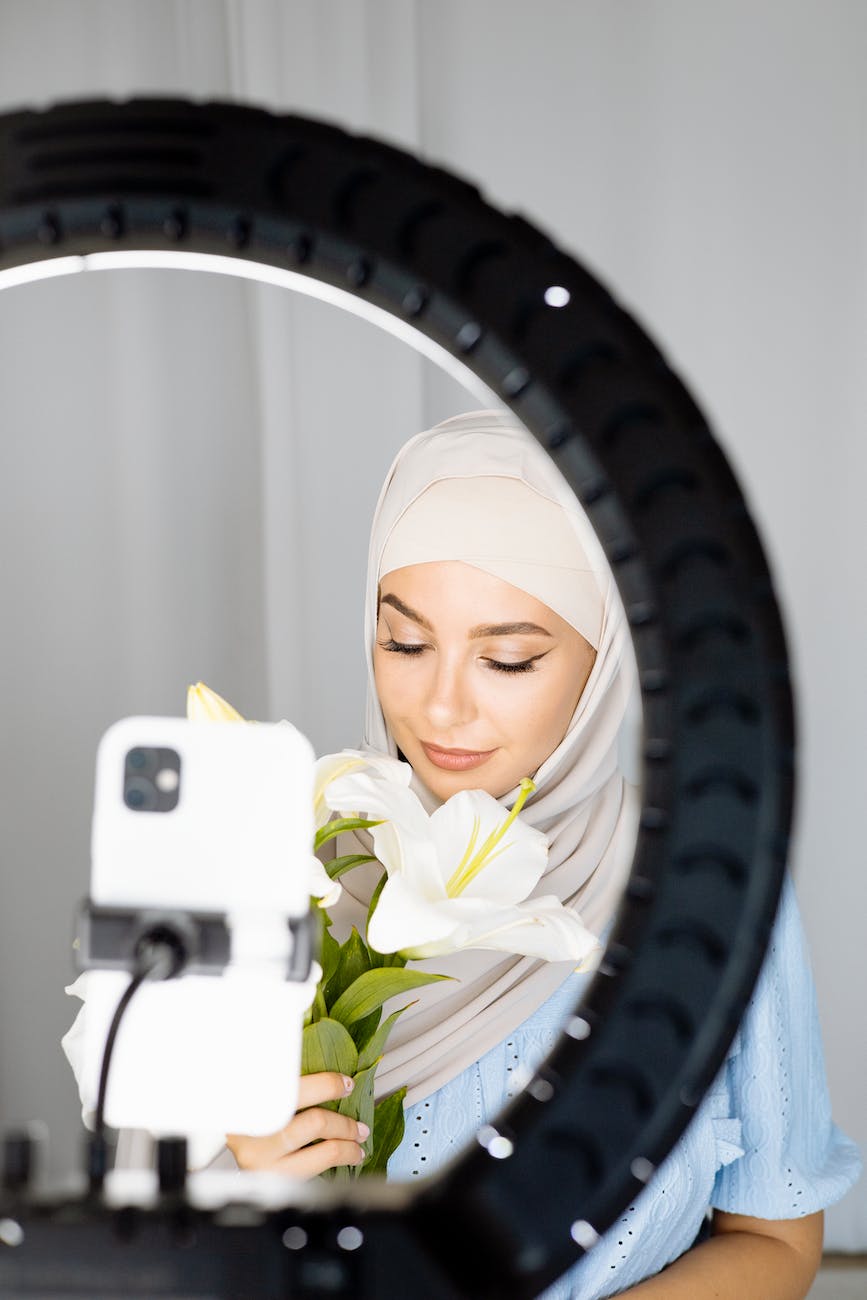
160,955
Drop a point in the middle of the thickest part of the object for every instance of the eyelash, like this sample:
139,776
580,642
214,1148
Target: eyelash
398,647
525,666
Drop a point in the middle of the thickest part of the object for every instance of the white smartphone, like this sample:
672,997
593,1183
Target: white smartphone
215,819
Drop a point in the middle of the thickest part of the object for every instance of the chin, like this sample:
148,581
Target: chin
444,784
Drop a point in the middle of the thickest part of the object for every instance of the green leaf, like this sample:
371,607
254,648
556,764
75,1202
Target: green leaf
370,1052
342,1174
329,955
395,960
337,866
388,1130
358,1105
327,1045
317,1009
374,898
374,987
353,960
338,826
363,1030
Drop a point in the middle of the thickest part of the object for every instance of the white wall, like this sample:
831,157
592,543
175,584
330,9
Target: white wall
706,161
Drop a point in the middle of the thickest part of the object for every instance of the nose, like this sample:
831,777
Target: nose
449,699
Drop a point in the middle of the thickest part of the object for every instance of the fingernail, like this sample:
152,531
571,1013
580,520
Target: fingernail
348,1083
363,1131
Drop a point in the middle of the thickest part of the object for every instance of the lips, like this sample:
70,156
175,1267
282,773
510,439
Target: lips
456,760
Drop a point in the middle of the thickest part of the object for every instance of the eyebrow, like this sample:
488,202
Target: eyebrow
508,629
485,629
406,611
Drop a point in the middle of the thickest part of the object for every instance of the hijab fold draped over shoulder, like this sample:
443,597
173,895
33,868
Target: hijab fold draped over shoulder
582,802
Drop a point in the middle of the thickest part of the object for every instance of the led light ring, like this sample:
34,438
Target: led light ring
420,251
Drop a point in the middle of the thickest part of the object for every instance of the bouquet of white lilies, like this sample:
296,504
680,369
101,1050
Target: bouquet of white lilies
437,894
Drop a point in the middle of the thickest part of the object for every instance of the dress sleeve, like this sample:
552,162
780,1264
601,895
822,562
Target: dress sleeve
795,1160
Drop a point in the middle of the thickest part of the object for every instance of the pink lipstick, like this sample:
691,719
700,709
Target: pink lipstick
456,760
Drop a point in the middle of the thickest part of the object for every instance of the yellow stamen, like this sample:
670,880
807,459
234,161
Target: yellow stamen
455,876
468,868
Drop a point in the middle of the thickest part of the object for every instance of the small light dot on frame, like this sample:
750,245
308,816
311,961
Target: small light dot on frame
294,1238
584,1234
350,1238
541,1089
496,1144
11,1232
578,1028
642,1169
557,296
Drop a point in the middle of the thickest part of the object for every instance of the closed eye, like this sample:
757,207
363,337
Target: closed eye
523,666
497,665
401,648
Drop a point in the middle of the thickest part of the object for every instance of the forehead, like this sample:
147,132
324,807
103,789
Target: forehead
452,592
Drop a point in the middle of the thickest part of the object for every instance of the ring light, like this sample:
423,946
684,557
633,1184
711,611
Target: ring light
219,186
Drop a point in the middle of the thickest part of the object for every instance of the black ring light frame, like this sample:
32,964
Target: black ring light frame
626,1078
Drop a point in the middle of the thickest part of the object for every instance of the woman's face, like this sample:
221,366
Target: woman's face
477,679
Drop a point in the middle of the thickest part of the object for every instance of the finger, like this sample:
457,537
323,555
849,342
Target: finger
313,1160
318,1125
261,1151
313,1089
255,1152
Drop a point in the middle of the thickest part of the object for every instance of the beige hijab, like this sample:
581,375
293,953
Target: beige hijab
581,802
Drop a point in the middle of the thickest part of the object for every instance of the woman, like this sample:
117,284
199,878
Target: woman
496,650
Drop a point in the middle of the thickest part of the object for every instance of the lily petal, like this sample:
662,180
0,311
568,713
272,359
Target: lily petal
331,767
325,890
379,800
205,705
404,919
541,928
412,855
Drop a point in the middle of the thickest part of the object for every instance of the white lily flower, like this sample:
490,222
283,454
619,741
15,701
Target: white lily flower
463,880
332,767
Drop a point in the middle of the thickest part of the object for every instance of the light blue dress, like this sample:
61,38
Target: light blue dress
762,1142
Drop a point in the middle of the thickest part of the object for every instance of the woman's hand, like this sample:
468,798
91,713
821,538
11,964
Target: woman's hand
315,1139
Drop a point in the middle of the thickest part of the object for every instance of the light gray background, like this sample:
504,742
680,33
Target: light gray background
706,161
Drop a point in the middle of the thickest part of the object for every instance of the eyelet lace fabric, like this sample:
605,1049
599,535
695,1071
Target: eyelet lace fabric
761,1143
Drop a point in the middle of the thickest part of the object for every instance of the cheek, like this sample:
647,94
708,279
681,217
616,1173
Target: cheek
517,710
382,682
540,715
393,687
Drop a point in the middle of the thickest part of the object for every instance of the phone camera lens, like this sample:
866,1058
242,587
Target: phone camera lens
137,760
140,795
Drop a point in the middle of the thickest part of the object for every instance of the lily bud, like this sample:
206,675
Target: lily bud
205,705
